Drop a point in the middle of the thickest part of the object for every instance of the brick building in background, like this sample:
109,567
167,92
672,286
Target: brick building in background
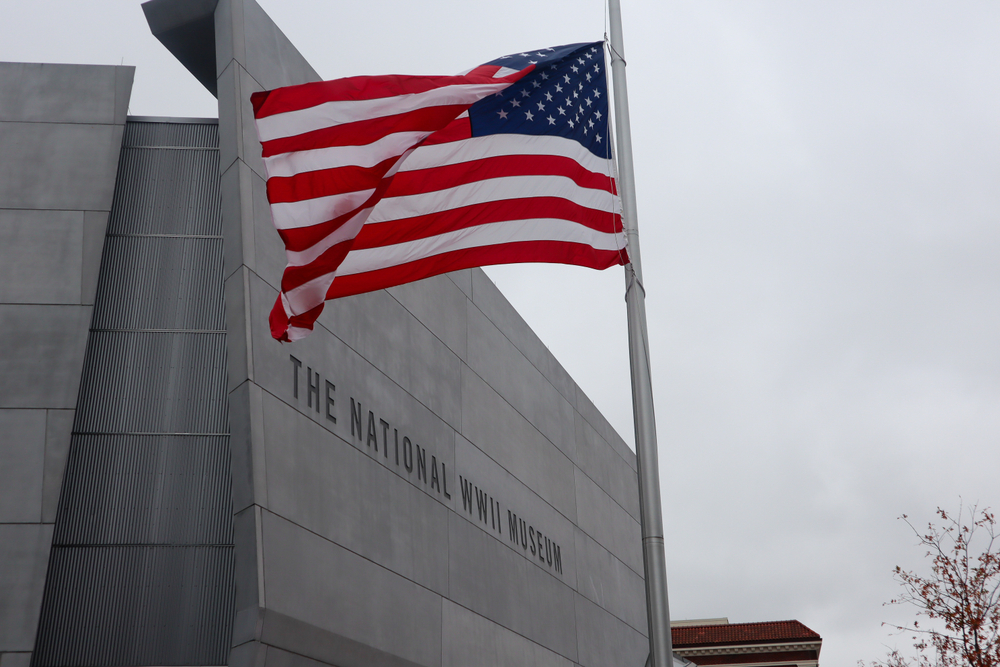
765,644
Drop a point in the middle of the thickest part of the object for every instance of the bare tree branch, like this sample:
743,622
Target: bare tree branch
962,593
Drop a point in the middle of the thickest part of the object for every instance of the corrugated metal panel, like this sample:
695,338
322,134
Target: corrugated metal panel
146,490
172,134
153,382
160,283
156,194
137,606
141,571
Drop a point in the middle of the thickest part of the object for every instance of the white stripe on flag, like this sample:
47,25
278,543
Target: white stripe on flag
369,155
496,145
343,233
308,212
328,114
494,233
492,190
307,296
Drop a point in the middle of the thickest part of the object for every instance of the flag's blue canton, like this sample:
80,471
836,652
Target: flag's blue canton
566,95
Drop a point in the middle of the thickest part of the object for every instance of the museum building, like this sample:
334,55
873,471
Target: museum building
418,483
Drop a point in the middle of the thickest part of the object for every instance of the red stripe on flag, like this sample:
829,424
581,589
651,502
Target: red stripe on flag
433,224
363,132
456,130
306,95
439,178
326,182
296,276
550,252
484,70
303,238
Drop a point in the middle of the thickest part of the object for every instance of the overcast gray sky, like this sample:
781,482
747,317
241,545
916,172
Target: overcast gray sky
819,205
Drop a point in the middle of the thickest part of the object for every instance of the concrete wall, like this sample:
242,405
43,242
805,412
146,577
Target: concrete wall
60,136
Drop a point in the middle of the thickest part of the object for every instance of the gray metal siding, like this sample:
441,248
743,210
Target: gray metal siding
154,382
161,283
152,605
141,571
176,487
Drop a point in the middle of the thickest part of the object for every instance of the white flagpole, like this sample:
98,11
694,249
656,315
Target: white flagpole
653,556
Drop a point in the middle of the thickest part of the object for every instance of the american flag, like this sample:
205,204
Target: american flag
379,181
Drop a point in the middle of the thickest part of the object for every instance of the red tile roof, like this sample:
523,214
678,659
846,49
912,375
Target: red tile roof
768,632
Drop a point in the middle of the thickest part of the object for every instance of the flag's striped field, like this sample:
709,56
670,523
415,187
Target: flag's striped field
377,181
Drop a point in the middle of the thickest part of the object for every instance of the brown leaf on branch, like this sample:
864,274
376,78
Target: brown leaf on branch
960,597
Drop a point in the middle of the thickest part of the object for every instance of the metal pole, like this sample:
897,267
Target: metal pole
653,556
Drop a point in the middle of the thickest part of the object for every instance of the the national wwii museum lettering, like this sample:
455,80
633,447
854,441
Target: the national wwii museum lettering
384,441
407,454
519,532
409,448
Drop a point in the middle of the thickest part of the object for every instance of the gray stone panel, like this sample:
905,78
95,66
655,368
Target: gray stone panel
15,659
248,654
511,494
236,121
44,354
246,416
593,416
95,225
321,647
255,244
386,334
495,359
604,640
492,303
230,118
22,463
471,640
491,424
409,361
42,93
625,486
550,610
24,552
605,521
271,61
341,593
42,256
278,658
608,582
58,431
239,357
463,279
249,566
186,29
271,58
354,498
440,305
486,579
58,166
230,44
599,461
270,259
